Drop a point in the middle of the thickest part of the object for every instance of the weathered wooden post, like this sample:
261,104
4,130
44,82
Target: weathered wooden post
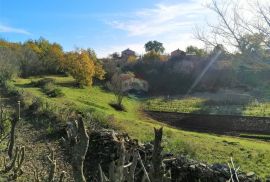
78,142
14,122
156,172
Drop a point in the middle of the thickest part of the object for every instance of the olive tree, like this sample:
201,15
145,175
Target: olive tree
119,86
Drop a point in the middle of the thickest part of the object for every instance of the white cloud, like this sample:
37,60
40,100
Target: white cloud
171,24
162,19
180,41
8,29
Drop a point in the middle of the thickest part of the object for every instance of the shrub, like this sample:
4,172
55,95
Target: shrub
48,87
36,104
51,90
49,129
188,149
41,83
11,89
97,120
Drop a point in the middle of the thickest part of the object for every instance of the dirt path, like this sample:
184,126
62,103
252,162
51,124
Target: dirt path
37,148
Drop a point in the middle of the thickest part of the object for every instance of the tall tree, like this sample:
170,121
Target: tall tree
263,20
196,51
49,55
236,31
8,64
243,29
154,46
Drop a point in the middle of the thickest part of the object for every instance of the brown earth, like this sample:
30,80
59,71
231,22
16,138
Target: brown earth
220,124
38,145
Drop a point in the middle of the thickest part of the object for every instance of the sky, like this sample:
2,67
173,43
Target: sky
106,26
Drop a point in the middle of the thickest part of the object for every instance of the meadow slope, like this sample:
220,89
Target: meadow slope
249,154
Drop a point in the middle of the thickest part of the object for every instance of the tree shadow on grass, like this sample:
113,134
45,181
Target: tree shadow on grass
117,107
68,84
26,85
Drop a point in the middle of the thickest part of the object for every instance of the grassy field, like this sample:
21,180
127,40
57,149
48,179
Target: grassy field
203,106
250,154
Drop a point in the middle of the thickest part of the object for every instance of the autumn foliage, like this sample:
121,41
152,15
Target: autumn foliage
80,66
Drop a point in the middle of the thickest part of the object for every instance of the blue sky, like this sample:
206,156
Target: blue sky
104,25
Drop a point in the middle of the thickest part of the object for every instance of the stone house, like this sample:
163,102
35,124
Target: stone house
126,53
177,53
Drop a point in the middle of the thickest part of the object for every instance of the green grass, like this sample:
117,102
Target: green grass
203,106
261,109
250,154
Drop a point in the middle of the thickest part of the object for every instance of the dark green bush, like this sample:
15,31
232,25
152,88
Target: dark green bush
52,90
11,89
36,105
42,82
48,86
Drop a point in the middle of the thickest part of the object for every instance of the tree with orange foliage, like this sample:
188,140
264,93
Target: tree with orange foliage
99,70
49,55
80,66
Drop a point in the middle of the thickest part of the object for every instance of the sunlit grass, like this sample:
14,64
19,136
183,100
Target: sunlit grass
203,106
251,155
257,109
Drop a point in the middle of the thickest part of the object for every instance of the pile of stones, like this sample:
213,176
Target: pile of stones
103,149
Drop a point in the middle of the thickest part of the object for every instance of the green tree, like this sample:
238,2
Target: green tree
195,50
152,57
251,44
8,64
49,55
29,63
154,46
115,56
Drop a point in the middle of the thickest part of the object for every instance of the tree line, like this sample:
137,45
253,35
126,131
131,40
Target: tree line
41,57
244,66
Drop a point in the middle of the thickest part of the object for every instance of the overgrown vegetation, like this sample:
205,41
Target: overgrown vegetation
200,146
41,57
48,86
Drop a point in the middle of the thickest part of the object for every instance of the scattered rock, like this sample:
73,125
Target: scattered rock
250,174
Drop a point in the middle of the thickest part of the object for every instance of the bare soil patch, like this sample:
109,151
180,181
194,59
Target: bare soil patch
220,124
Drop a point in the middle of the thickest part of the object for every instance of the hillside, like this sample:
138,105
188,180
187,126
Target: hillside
205,147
